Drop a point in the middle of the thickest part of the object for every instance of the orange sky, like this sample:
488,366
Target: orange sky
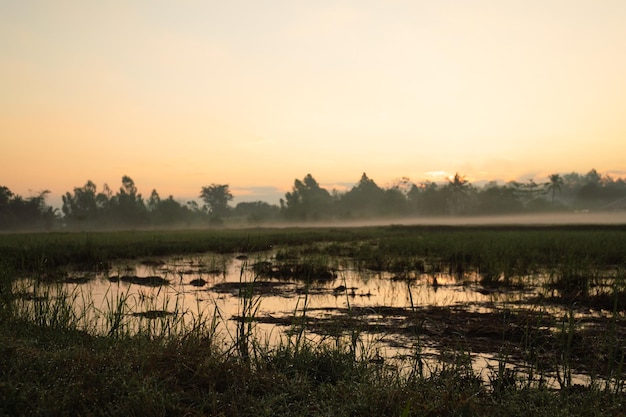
178,95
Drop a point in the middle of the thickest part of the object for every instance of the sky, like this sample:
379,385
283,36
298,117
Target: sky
254,94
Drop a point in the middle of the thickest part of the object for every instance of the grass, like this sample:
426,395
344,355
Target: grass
53,360
91,376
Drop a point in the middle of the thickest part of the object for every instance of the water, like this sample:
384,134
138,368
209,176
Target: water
386,306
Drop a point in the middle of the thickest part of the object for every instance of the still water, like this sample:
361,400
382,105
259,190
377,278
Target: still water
168,294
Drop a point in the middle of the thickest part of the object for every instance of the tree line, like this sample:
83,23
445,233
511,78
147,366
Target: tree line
88,207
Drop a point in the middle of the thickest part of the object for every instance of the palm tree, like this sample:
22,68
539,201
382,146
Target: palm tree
554,185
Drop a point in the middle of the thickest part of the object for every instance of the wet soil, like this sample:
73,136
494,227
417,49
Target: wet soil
150,281
592,345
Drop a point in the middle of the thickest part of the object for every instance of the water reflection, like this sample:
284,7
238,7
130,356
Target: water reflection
395,313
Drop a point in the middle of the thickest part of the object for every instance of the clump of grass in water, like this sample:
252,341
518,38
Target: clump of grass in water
249,306
7,291
116,312
566,337
309,268
615,382
49,305
504,379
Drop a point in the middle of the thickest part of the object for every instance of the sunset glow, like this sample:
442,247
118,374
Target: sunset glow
256,94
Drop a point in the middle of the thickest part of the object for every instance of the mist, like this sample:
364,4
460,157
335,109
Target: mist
563,199
533,219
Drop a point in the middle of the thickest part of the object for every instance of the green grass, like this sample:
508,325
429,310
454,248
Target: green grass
513,249
47,251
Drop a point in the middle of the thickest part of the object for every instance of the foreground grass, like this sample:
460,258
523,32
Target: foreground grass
53,367
46,371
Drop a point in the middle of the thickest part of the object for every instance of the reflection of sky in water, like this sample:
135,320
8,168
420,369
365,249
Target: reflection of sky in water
362,289
99,296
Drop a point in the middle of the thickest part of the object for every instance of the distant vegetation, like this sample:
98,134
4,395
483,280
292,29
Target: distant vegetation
88,207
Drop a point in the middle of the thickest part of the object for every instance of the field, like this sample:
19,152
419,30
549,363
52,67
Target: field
393,320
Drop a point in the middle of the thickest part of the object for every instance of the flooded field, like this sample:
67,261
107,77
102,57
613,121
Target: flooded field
420,309
382,320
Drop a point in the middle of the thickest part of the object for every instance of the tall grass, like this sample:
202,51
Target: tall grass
187,372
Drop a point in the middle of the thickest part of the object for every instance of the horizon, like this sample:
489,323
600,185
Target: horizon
256,95
273,195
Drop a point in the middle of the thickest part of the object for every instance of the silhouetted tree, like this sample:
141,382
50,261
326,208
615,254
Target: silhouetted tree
165,212
216,198
592,188
103,199
6,215
81,207
554,185
458,189
394,202
429,199
307,201
529,192
169,211
496,199
365,199
154,201
593,177
257,211
598,191
127,206
29,214
195,212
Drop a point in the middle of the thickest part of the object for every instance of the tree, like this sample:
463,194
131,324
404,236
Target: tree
306,201
256,211
216,198
6,215
458,187
154,201
128,206
365,198
593,177
496,199
168,211
81,206
31,213
554,184
394,202
529,191
428,199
